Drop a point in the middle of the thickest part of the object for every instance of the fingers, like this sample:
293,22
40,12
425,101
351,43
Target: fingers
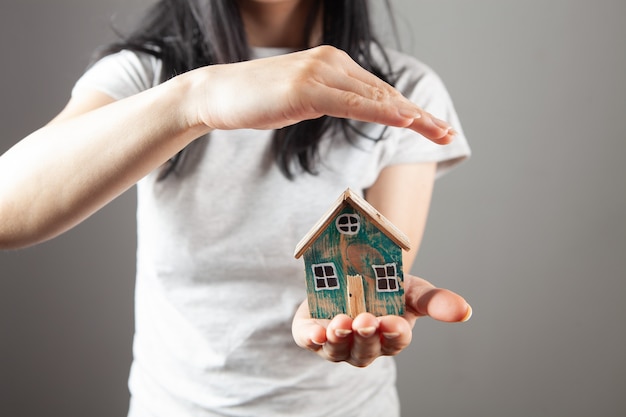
279,91
347,90
424,299
444,305
339,336
433,128
396,334
308,333
362,340
366,340
358,342
349,104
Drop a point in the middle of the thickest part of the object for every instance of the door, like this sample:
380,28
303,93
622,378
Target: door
356,296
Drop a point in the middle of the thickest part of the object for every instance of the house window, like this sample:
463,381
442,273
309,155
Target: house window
348,224
386,278
325,276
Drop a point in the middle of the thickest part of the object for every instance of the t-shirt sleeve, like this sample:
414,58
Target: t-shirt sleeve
425,88
121,75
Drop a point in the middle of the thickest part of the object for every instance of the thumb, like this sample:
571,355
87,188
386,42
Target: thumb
441,304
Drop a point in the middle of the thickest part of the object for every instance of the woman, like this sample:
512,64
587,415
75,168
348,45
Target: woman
234,123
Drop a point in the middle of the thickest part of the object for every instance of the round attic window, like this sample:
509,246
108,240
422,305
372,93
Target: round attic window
348,224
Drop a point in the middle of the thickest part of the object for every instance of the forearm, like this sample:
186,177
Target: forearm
64,172
402,193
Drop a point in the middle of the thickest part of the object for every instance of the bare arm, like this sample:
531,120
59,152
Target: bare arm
97,148
89,154
402,193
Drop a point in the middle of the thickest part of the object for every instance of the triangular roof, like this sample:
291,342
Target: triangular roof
348,197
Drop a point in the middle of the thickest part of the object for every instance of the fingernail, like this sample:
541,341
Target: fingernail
391,335
342,332
440,123
367,331
468,315
317,343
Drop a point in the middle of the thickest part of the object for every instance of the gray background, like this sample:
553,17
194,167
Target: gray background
531,230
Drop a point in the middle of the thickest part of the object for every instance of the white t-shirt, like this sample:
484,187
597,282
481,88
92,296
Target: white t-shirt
217,285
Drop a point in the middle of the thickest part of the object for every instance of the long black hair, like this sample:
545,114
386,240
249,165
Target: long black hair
187,34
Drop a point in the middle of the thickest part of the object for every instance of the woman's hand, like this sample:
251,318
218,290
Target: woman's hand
360,341
279,91
113,144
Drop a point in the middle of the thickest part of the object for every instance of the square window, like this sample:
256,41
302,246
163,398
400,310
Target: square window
386,277
325,276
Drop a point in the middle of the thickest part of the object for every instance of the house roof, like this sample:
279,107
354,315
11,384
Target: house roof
348,197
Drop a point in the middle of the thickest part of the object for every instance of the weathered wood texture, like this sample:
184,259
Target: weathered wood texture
348,197
353,255
356,296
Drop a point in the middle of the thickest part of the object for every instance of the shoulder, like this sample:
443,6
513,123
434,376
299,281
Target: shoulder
122,74
423,86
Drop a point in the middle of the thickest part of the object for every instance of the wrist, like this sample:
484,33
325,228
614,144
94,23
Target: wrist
187,89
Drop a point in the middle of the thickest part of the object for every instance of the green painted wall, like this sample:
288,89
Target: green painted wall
352,255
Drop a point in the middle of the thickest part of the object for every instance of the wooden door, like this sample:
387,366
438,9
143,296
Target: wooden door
356,296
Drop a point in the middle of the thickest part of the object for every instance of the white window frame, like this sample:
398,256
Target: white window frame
389,279
325,277
353,227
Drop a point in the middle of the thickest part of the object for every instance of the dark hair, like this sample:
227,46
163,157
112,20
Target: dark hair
187,34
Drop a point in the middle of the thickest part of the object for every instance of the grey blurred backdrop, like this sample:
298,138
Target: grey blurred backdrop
531,230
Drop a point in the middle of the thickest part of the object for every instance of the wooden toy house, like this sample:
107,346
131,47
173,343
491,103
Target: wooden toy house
353,261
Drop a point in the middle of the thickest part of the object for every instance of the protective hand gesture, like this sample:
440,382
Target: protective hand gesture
279,91
362,340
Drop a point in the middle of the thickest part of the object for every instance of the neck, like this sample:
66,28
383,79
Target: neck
279,24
